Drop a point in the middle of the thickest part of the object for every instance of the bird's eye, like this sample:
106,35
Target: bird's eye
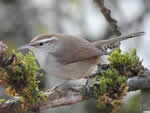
41,43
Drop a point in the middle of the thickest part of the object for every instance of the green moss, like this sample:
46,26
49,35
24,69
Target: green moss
19,75
110,84
30,93
127,64
2,100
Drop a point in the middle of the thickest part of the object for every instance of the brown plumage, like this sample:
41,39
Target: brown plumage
78,49
70,57
75,49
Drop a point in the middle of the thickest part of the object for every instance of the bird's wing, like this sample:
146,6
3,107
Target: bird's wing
77,49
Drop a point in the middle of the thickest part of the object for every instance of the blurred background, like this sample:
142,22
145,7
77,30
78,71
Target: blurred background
21,20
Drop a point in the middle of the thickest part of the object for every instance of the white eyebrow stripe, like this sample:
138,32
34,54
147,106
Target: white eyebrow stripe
46,40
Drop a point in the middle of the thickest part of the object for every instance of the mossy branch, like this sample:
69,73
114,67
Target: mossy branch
18,74
111,83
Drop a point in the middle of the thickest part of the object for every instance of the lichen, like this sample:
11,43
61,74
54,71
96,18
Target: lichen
18,73
110,84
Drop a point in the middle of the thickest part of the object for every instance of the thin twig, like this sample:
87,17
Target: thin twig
107,14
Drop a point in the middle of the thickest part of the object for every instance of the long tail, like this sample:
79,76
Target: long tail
130,36
111,42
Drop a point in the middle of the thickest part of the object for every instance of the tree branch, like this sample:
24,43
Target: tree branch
142,82
68,97
55,99
107,14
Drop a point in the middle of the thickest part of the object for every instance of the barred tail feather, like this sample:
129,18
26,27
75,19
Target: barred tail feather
130,36
108,43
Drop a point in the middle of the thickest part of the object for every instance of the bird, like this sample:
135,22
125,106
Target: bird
70,57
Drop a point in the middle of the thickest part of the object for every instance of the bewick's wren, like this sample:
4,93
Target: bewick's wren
70,57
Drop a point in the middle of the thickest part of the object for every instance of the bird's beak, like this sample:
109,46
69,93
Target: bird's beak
24,47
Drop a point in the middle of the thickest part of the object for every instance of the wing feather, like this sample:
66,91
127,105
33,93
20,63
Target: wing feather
76,49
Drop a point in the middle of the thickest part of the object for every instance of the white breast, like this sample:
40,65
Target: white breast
69,71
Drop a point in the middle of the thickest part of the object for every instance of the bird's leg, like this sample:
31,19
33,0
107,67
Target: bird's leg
74,85
58,85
